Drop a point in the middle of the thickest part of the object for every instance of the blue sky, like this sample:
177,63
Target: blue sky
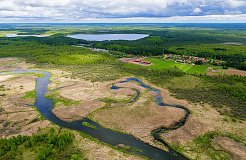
161,11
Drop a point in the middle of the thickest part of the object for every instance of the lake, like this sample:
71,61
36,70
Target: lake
24,35
108,37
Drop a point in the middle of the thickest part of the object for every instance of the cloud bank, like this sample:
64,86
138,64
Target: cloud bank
122,10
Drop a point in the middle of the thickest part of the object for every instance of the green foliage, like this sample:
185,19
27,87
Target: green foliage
58,99
128,148
151,74
204,148
226,93
97,72
2,88
58,55
89,125
160,64
50,146
197,69
31,94
56,40
203,144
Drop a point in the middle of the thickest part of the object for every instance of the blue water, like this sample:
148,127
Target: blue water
45,106
23,35
108,37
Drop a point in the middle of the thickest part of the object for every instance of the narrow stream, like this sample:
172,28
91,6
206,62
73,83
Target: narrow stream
45,106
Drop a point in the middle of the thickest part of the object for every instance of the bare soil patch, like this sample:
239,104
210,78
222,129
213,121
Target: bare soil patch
231,71
212,72
5,77
236,149
80,90
72,113
18,116
19,119
132,60
10,64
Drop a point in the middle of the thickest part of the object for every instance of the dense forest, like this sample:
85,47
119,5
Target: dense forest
49,145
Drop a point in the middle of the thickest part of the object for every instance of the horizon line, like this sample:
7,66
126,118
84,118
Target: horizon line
122,22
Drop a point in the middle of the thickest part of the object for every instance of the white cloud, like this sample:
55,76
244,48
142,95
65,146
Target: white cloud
76,10
45,3
197,10
236,3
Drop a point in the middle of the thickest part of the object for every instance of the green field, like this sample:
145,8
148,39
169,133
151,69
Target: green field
161,64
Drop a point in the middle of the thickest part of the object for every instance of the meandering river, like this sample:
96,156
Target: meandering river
45,106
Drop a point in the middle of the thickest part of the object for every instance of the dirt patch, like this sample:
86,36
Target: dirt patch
77,112
235,72
5,77
212,72
190,131
131,85
10,64
236,149
80,90
124,93
229,71
18,84
34,127
138,61
19,119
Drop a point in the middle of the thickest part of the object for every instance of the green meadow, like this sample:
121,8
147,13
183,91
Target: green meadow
161,64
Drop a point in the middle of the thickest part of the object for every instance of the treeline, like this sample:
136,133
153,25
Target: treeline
146,46
55,40
31,31
51,145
